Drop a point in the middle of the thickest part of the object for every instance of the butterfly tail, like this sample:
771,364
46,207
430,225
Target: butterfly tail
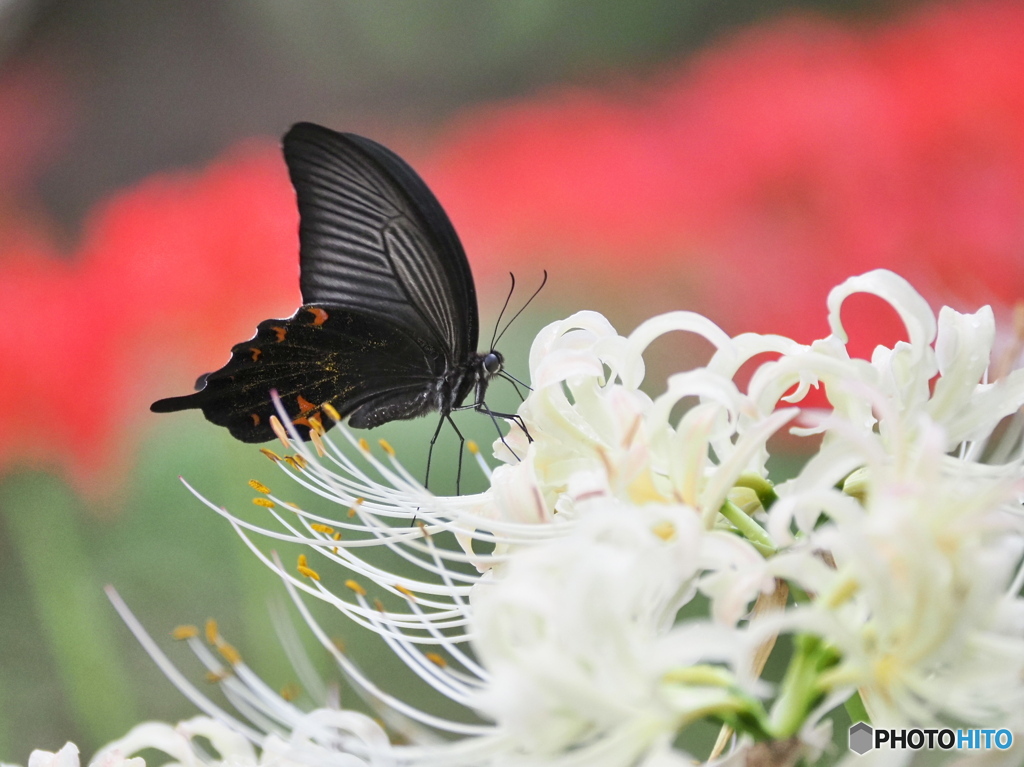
174,404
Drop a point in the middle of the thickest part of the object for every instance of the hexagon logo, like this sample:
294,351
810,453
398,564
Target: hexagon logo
861,738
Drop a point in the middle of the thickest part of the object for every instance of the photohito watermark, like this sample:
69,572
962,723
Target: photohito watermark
864,738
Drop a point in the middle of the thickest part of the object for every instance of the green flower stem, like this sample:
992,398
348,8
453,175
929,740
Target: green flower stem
764,489
855,708
750,530
739,711
800,691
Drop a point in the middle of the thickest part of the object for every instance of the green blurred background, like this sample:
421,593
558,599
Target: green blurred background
133,135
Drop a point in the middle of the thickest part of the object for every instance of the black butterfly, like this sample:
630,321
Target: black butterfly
388,327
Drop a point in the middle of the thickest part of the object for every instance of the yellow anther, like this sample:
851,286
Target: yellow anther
317,424
336,535
229,653
355,587
266,503
213,677
436,659
300,461
293,505
258,486
664,530
334,549
270,454
378,605
304,568
387,447
364,445
328,408
212,634
317,440
309,572
472,447
290,691
407,593
279,430
185,632
325,529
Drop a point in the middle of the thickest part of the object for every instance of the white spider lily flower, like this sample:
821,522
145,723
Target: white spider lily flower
580,640
937,376
595,433
923,604
68,756
267,728
229,748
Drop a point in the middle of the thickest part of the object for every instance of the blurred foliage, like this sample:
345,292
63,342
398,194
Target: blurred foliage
172,82
427,56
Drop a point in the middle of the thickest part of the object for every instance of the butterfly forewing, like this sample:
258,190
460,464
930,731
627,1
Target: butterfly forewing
375,239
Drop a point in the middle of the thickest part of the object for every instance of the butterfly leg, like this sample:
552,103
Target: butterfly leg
514,386
481,407
430,454
430,451
515,418
513,380
462,445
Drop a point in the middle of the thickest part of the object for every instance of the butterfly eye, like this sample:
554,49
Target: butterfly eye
492,363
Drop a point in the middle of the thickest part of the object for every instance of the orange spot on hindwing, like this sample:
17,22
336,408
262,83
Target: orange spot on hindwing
319,315
255,353
281,332
308,416
255,418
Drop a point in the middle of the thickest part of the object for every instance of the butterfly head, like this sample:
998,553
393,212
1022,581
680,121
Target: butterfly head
491,363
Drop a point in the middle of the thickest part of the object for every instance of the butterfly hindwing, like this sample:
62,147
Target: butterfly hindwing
373,238
365,368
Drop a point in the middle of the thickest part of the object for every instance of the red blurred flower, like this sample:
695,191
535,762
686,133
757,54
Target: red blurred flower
767,170
179,268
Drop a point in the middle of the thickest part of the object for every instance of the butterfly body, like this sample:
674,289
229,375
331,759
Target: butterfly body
389,324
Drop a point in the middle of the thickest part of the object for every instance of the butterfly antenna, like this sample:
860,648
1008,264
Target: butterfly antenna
529,300
503,308
509,377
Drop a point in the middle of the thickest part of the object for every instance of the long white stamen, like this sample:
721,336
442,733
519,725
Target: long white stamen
171,672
